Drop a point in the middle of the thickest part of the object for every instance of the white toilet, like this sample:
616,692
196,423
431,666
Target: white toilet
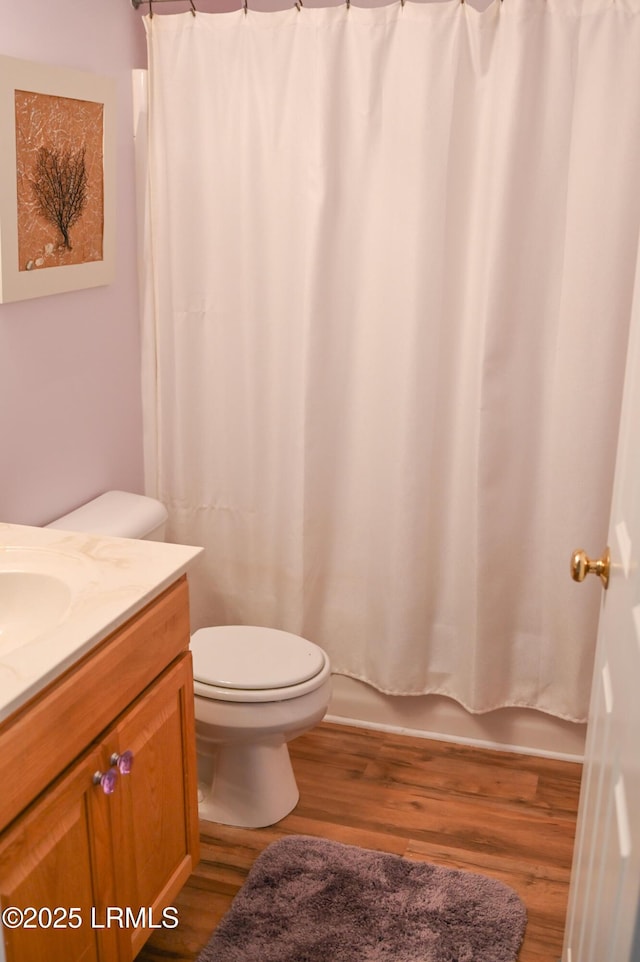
255,688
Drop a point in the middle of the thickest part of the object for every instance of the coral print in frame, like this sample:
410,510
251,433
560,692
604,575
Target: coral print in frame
57,159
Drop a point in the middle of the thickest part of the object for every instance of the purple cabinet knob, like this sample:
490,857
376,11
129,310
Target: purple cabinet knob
106,780
123,762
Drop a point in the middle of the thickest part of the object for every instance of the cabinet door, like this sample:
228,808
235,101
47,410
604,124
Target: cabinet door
155,827
56,868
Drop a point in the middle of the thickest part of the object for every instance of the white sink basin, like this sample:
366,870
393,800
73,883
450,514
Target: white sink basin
30,604
37,589
63,592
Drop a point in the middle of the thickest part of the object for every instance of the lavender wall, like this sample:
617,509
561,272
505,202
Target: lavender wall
70,408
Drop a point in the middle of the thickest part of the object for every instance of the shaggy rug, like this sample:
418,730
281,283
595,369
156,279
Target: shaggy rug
310,900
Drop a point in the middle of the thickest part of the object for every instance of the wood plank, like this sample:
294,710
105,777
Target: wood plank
508,816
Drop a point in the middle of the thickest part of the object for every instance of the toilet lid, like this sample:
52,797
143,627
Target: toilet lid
247,657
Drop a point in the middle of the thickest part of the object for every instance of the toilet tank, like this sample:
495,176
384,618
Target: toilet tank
118,514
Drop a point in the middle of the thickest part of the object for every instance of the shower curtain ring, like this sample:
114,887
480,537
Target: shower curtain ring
193,8
150,9
246,7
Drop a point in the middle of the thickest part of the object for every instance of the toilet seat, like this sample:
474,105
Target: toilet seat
245,663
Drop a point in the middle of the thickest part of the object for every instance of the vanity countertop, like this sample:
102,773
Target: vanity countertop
91,584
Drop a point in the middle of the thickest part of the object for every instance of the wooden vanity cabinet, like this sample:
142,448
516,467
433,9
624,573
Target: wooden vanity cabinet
93,872
55,856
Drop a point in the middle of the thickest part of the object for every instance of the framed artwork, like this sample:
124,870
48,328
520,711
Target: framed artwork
57,179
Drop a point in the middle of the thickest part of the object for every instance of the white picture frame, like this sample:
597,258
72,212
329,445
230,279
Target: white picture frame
55,123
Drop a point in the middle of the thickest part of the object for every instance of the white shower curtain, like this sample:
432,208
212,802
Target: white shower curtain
390,257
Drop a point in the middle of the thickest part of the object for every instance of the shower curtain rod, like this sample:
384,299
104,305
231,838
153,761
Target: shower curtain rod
298,3
138,3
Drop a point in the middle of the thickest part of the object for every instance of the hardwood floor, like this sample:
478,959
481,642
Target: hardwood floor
505,815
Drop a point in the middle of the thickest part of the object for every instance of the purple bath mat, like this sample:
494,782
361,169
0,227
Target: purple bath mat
311,900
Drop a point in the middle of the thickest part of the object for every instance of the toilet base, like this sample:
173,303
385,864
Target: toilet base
252,786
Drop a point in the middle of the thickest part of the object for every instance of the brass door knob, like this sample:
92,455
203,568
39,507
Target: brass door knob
582,565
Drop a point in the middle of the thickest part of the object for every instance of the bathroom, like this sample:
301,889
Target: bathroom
59,452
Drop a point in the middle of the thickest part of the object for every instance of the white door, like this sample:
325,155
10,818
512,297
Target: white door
603,921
